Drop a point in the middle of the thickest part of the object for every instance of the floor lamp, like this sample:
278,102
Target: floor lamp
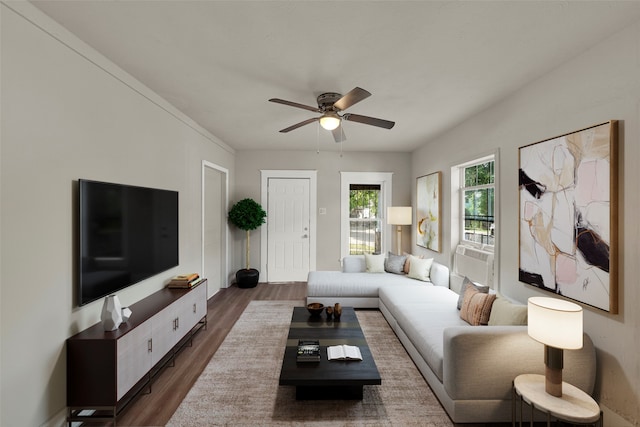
557,324
399,216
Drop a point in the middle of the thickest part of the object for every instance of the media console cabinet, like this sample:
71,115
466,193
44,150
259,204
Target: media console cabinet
107,369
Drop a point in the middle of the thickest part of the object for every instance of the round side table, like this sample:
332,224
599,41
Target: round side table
574,406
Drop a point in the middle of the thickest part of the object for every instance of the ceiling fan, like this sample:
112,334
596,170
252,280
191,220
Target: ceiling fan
331,105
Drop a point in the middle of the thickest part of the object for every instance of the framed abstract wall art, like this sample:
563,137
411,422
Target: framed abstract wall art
429,211
569,215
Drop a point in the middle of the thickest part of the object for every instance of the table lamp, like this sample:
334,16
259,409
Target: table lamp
399,215
558,325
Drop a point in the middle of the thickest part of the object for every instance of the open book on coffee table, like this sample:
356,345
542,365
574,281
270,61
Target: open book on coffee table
343,352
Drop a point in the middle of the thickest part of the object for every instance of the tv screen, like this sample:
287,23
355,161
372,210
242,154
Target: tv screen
127,234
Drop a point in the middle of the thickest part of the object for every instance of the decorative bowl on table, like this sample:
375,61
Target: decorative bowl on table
315,308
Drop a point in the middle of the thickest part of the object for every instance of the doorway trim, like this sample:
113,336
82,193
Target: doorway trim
206,164
312,175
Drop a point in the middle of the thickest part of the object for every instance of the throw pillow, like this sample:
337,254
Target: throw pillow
465,284
505,313
420,268
374,263
407,263
395,263
476,307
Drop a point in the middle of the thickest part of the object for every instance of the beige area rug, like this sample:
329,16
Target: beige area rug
240,387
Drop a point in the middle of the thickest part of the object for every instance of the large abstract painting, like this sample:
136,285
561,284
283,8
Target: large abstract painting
568,215
428,211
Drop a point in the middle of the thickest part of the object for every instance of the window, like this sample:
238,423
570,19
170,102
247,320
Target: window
364,200
364,219
477,192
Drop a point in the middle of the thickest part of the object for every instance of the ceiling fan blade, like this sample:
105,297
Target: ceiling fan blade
338,134
297,125
368,120
356,95
295,104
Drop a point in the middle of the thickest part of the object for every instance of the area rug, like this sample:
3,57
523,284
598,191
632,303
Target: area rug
239,387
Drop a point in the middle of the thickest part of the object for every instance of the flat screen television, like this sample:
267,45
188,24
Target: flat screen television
127,234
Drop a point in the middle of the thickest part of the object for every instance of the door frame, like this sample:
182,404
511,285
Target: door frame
312,176
225,264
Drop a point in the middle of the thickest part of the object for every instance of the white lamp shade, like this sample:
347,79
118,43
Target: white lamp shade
329,121
555,322
399,215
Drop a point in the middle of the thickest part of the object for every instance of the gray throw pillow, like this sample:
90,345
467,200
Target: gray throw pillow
394,263
465,284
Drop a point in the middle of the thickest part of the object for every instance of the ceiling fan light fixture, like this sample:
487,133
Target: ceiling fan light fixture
330,121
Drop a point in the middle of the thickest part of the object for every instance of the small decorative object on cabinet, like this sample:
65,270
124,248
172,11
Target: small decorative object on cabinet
126,314
107,369
111,313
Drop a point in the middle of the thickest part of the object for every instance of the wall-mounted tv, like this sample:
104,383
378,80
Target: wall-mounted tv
127,234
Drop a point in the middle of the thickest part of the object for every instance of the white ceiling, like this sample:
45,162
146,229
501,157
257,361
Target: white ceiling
428,64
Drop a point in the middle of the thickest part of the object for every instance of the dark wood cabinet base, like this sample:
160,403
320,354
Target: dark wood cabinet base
107,370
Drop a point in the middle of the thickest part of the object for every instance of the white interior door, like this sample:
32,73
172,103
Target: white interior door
288,229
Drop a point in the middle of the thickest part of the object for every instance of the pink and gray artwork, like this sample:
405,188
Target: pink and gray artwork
566,227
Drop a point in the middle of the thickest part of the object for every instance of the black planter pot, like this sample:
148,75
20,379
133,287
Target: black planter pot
247,278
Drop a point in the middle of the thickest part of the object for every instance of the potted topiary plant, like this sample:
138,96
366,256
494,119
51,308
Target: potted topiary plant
247,215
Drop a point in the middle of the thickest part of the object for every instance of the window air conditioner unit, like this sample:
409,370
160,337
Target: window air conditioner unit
475,264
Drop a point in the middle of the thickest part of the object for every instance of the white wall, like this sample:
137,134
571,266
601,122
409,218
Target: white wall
329,164
68,113
599,85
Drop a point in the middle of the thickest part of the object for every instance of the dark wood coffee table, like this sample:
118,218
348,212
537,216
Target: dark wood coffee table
327,379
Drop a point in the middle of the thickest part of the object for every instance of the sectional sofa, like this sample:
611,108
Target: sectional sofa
469,368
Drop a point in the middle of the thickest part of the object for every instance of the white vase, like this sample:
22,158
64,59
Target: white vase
111,313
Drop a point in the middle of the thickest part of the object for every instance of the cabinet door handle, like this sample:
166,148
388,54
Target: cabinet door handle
194,307
177,322
150,345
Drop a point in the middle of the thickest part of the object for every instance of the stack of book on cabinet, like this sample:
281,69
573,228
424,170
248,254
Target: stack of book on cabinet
185,281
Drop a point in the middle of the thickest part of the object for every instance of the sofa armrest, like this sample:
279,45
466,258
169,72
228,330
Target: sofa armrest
483,361
439,275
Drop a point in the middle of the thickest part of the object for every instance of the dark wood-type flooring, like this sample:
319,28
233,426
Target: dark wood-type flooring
173,383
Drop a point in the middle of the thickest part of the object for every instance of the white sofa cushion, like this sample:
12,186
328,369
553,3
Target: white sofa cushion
424,313
338,284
